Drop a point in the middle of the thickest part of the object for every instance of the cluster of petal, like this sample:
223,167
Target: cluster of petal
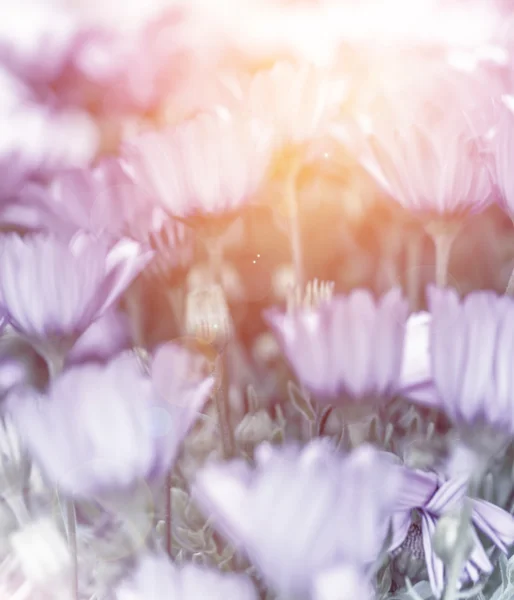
351,345
431,497
106,337
416,376
40,47
296,101
301,511
102,200
342,583
427,157
37,140
208,165
156,578
104,428
502,150
51,289
469,348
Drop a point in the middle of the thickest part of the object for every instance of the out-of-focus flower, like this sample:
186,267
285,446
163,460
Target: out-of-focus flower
210,165
124,78
261,31
99,200
208,316
103,339
278,511
432,498
38,48
470,345
52,291
350,346
425,23
156,578
416,374
428,157
105,201
502,151
104,428
342,583
295,101
38,566
37,141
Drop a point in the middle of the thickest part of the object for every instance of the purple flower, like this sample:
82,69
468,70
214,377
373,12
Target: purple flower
416,375
40,47
106,337
53,291
102,200
208,165
471,344
351,345
156,578
432,498
302,511
342,583
104,428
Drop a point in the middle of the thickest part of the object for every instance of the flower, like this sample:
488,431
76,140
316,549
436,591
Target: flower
428,158
301,511
416,375
350,345
100,200
470,347
502,151
297,101
37,140
38,48
39,564
342,583
156,578
209,165
52,291
432,498
106,337
104,428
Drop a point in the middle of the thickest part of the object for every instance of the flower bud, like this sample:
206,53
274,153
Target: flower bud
207,315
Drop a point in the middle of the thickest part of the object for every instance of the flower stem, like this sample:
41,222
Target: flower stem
413,269
294,223
443,234
222,405
71,522
168,516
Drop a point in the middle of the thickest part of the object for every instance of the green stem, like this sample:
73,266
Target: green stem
71,522
168,516
223,407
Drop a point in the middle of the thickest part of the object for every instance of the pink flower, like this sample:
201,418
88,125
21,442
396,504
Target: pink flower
209,165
